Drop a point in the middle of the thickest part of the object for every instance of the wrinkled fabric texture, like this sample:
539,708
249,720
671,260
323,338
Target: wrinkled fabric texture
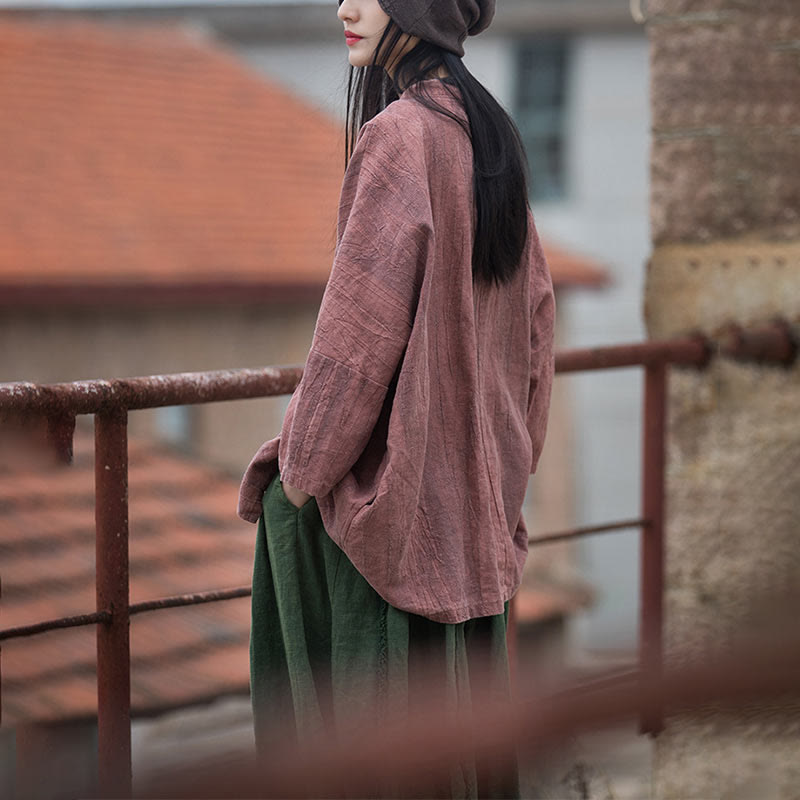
446,23
329,656
423,405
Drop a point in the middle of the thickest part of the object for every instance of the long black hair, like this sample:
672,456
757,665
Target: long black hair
500,165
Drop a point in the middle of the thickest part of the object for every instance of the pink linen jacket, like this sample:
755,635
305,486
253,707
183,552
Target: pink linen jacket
424,401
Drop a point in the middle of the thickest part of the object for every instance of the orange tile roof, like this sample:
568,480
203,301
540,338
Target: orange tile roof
141,153
570,270
138,157
184,538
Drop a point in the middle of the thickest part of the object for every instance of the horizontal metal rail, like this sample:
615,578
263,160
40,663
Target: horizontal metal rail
753,669
155,391
75,621
578,533
197,598
79,620
694,351
773,343
194,599
110,401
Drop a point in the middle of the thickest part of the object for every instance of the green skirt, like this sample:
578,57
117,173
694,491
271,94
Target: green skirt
326,649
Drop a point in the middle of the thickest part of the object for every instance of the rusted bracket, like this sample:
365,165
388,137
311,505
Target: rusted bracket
60,433
773,343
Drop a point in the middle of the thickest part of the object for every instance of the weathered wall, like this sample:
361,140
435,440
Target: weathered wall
64,345
726,228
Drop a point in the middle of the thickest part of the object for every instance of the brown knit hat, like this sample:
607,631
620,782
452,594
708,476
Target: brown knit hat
443,22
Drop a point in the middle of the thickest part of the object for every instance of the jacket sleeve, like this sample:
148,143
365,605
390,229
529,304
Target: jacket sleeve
366,315
542,346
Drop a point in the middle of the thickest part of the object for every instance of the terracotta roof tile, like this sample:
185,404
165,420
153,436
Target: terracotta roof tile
70,696
152,156
138,156
21,607
73,649
184,537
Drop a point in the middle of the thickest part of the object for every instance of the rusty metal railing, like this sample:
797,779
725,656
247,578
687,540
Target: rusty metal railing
110,400
760,667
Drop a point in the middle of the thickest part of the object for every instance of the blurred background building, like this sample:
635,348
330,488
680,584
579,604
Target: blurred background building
169,205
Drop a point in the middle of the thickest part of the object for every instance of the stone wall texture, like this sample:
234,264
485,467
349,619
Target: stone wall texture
726,231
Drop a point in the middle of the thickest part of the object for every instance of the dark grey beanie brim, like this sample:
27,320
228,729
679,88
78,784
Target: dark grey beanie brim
446,23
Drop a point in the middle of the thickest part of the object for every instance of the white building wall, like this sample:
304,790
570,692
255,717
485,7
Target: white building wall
606,217
317,71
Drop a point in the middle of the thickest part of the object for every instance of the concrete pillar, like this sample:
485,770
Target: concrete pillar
726,230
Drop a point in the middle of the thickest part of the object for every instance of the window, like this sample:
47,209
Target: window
540,112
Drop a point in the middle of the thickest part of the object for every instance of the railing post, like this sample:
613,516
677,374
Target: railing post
651,633
113,637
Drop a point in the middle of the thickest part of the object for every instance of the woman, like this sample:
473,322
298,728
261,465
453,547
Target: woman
390,530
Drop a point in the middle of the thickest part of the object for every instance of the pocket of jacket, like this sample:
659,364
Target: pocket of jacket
284,499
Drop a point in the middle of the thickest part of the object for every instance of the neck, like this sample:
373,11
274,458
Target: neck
439,73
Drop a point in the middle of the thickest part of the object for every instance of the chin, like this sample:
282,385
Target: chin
357,60
360,55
